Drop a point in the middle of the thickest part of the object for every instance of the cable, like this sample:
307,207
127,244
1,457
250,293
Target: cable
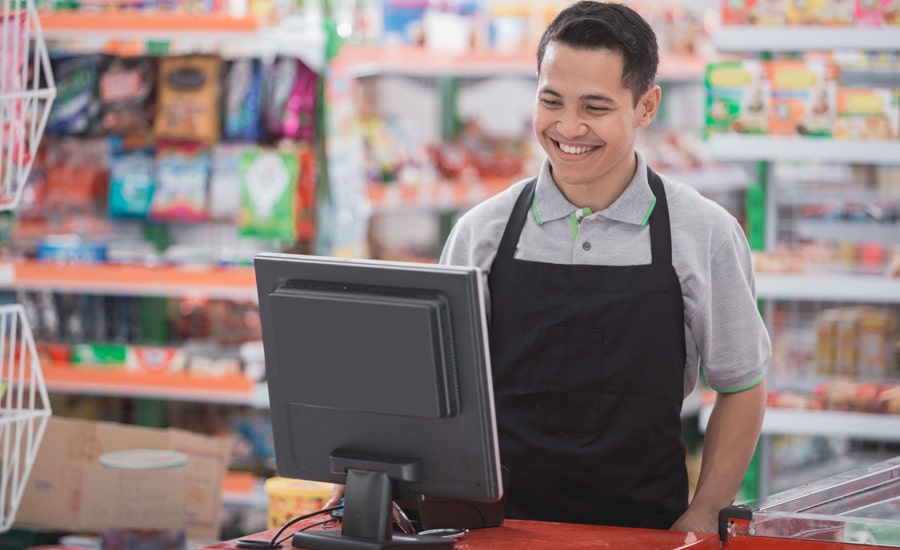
274,542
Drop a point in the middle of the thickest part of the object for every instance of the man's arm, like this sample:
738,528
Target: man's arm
728,446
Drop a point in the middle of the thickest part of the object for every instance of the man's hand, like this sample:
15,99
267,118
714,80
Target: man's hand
696,523
337,493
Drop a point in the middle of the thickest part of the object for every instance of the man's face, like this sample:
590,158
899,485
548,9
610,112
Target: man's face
585,119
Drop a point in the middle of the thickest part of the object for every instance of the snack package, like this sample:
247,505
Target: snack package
188,98
131,178
225,181
764,13
737,97
827,13
126,95
268,194
182,174
77,176
890,12
870,13
803,97
243,98
867,113
292,89
76,109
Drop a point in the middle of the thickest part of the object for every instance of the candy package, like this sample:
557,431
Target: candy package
131,178
126,95
268,194
182,175
291,93
243,97
188,98
76,109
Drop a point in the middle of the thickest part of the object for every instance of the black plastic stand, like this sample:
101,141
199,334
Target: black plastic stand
366,523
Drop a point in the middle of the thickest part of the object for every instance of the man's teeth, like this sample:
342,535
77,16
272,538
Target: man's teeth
574,150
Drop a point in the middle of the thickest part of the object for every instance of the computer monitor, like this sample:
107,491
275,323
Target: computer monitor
379,378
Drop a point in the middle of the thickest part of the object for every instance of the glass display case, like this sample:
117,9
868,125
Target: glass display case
856,509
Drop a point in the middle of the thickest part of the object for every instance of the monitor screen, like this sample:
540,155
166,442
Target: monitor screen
379,378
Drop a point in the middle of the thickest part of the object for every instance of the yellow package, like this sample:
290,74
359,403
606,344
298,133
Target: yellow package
867,113
831,13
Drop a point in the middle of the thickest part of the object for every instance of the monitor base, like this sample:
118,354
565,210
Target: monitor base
334,541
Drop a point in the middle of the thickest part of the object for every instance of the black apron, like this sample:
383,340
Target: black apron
588,365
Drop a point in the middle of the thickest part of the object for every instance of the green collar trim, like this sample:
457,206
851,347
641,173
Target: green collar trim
649,211
534,212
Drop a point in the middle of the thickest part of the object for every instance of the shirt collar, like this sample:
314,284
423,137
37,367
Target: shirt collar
633,205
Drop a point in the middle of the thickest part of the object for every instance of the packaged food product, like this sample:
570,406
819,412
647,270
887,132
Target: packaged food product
268,194
867,113
737,98
182,175
829,13
754,12
803,97
126,95
188,98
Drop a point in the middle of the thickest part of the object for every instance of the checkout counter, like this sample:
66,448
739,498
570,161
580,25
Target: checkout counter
856,510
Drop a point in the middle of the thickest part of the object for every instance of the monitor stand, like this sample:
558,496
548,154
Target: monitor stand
367,520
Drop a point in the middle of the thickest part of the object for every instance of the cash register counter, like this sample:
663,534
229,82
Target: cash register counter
525,535
856,510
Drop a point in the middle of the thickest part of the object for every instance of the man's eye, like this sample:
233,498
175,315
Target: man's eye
597,109
550,102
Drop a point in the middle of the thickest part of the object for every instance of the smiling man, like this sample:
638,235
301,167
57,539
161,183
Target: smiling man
609,285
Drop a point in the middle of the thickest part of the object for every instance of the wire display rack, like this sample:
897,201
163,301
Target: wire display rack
27,90
24,408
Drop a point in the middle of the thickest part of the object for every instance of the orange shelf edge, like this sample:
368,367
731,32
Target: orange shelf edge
99,377
142,21
75,274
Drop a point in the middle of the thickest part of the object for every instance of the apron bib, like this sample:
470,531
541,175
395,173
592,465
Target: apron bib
588,365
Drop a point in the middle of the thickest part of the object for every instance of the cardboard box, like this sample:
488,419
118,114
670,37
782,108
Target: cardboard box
70,490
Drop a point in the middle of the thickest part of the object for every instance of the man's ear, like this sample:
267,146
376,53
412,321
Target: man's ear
648,105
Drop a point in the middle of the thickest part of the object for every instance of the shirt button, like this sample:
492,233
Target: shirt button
586,245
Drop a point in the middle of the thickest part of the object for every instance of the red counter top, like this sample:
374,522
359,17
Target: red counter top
525,535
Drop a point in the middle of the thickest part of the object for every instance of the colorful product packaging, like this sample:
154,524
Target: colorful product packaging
126,89
76,109
243,99
182,175
867,114
827,13
268,194
877,334
290,103
803,97
737,97
764,13
132,173
188,98
890,12
870,13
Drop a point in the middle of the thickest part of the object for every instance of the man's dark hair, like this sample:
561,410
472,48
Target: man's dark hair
593,25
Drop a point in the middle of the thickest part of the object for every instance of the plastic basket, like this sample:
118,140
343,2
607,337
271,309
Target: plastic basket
27,90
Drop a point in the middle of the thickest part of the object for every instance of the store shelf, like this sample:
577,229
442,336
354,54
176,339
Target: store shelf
797,38
858,232
747,148
232,283
232,390
231,36
718,179
445,194
420,61
876,78
132,25
857,425
826,287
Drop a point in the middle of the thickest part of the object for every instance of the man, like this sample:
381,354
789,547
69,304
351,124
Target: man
608,286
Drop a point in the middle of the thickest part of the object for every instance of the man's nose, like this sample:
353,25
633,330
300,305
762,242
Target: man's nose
570,123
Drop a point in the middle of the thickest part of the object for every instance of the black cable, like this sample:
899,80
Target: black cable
274,543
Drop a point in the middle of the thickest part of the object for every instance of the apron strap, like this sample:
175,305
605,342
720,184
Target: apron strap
660,231
515,223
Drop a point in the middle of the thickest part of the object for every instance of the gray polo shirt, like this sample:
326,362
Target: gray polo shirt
723,329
